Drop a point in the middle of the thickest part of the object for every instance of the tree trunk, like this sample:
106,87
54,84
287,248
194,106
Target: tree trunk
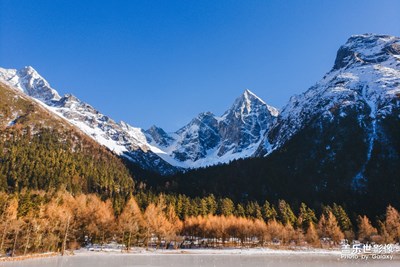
65,238
27,241
102,240
38,241
129,241
15,243
3,238
122,241
5,227
147,239
158,242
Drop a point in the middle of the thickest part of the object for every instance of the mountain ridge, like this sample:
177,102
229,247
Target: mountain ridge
154,149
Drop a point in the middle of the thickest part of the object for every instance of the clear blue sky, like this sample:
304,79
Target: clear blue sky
163,62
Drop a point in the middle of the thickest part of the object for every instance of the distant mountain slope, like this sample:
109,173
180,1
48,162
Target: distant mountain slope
365,74
357,101
40,150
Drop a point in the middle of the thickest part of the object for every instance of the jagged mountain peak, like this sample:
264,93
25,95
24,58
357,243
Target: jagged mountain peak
29,70
250,96
204,119
154,128
29,81
248,103
367,48
69,98
245,103
158,136
205,115
35,85
201,120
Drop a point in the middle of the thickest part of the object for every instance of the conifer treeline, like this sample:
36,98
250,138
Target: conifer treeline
48,159
34,221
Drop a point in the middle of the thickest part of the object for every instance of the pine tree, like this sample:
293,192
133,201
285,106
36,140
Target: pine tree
240,212
268,212
253,210
285,213
365,230
312,235
329,228
179,206
225,207
342,218
392,224
101,218
158,223
275,231
211,204
288,234
8,218
306,217
131,222
203,209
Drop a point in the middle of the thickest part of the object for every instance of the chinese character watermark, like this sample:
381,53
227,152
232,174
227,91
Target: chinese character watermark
368,251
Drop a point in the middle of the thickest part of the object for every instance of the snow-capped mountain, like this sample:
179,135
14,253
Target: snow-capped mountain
366,72
206,140
30,82
358,99
354,106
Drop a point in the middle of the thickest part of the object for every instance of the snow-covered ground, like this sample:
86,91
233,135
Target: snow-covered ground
223,251
203,257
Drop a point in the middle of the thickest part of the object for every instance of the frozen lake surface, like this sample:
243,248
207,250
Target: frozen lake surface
201,258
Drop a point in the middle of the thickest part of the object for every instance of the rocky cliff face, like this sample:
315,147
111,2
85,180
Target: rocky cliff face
30,82
209,139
